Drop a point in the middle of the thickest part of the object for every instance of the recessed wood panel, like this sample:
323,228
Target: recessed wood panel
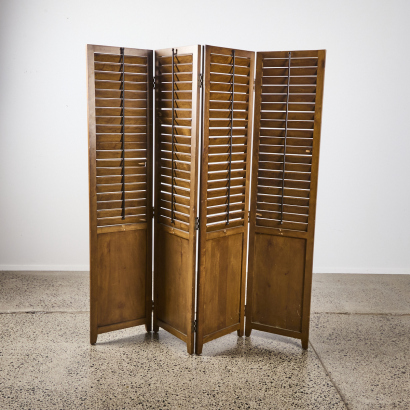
122,266
279,264
222,290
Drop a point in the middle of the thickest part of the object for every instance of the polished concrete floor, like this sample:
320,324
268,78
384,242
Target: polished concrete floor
358,358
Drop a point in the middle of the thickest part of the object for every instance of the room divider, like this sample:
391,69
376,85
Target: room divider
208,91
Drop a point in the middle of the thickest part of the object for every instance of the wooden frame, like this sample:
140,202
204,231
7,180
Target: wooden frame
282,286
223,242
281,189
176,171
120,253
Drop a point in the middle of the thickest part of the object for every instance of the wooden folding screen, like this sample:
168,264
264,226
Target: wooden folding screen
225,171
288,107
286,138
176,176
120,172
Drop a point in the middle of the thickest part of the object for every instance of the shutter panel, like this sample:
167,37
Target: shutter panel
176,175
228,99
120,169
288,106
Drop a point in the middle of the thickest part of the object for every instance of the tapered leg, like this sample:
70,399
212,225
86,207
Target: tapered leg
305,342
93,336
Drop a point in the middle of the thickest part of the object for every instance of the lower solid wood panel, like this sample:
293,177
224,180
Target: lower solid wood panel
172,280
279,267
222,287
122,267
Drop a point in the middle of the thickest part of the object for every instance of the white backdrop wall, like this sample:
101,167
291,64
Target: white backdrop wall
363,218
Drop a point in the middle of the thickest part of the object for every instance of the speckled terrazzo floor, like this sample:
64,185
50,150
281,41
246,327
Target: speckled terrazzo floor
359,356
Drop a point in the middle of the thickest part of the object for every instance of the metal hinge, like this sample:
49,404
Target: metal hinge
249,216
152,305
200,80
196,223
153,212
153,82
245,311
194,325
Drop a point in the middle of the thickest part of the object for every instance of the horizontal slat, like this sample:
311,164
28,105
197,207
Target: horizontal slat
137,186
118,120
293,89
181,200
177,103
177,190
118,171
117,67
292,107
177,173
178,207
224,192
286,216
167,78
116,102
293,71
224,157
289,167
279,149
120,221
227,114
226,140
218,68
177,122
117,58
130,203
177,215
293,98
118,163
133,129
292,133
118,145
222,132
128,95
288,183
285,225
110,213
264,206
176,224
228,59
224,175
298,193
223,208
117,85
224,216
177,86
178,182
117,111
177,130
225,183
292,80
180,68
293,159
239,88
294,62
183,166
218,96
178,95
292,116
227,78
295,54
118,195
225,149
177,156
117,179
225,165
178,113
223,225
301,176
117,76
222,105
178,59
117,137
177,147
227,123
286,200
138,154
178,139
224,200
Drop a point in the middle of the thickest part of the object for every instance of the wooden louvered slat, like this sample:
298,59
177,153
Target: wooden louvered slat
288,104
228,98
120,170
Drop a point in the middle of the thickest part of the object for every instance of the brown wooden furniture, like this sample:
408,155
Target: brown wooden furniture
211,90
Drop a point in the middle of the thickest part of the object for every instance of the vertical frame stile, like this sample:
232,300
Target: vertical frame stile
93,194
313,197
150,168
